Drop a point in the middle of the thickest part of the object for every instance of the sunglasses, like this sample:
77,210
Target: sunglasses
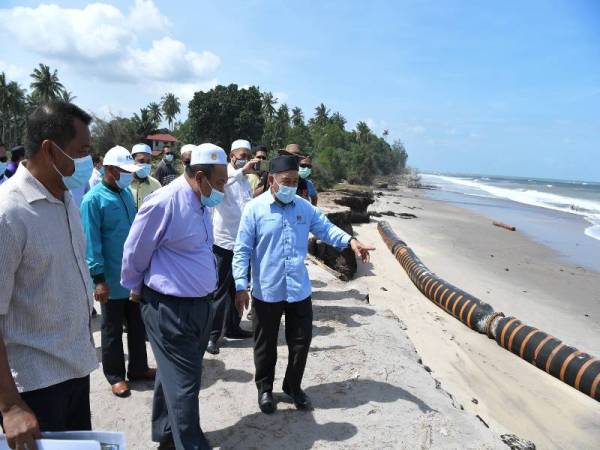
3,159
306,166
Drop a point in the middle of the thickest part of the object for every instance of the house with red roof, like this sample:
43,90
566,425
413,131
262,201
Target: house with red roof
158,141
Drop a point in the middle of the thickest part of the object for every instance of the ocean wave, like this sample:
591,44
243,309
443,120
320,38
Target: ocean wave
589,209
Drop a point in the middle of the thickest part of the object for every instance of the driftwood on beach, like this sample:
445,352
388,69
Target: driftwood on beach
503,225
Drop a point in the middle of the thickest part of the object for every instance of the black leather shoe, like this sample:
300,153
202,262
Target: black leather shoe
239,334
301,400
212,347
266,402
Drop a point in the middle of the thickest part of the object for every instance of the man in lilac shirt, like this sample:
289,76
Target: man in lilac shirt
169,266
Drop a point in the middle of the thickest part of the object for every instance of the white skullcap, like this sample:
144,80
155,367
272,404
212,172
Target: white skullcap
187,148
208,154
241,143
120,157
141,148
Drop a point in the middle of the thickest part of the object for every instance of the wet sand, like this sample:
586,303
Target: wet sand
539,288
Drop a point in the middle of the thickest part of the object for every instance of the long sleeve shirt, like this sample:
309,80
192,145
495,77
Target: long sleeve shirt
227,215
273,239
46,291
106,215
169,248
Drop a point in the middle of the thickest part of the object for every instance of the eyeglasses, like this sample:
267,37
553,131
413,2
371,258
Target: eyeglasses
306,166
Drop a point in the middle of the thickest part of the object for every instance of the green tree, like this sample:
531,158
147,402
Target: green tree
321,117
339,120
45,85
13,109
143,124
67,96
297,117
268,104
155,112
106,134
171,107
226,113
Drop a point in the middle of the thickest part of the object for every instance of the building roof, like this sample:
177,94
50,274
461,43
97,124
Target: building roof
161,137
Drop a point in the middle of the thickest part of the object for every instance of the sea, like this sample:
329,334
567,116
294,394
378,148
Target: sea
561,214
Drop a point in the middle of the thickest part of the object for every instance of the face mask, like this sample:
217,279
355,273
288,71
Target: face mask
213,199
125,180
83,171
101,171
2,168
239,163
304,172
144,170
285,194
169,157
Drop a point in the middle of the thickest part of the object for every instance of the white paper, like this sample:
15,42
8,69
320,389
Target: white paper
76,440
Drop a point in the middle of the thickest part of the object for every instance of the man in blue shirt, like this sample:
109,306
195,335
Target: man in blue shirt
107,212
273,239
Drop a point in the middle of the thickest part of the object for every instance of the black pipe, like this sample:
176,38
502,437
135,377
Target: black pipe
546,352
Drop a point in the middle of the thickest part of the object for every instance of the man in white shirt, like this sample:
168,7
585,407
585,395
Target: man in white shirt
226,221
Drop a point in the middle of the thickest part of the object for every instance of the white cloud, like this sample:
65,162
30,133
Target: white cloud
14,73
145,16
101,41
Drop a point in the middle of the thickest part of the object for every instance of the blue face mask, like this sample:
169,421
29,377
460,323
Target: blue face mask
144,170
125,180
304,172
2,168
285,194
83,171
169,157
213,199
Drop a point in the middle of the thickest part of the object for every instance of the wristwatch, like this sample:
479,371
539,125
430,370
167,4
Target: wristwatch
350,240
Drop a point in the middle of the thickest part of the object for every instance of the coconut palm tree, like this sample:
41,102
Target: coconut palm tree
268,105
143,124
321,115
362,132
45,86
170,107
67,96
338,119
155,112
297,117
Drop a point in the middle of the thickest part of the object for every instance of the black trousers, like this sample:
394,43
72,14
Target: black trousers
226,315
114,314
178,330
61,407
298,335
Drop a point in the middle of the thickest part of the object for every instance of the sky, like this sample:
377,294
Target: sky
499,88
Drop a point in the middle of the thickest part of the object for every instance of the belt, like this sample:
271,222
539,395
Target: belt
164,297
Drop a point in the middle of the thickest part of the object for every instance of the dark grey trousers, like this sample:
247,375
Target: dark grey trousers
226,314
178,330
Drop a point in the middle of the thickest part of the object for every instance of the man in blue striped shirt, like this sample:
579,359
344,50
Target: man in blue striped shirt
273,240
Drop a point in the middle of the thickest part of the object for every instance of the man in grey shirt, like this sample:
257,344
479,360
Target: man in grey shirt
46,348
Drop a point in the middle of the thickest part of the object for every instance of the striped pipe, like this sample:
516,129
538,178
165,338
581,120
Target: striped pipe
551,355
568,364
468,309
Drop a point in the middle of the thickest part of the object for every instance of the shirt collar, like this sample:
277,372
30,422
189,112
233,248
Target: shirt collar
31,187
109,187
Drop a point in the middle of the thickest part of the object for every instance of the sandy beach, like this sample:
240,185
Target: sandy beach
368,386
515,275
